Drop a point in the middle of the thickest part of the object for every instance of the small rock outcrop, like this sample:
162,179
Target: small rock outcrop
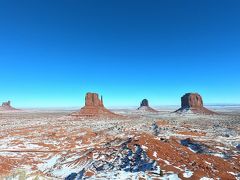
6,106
144,106
94,108
193,102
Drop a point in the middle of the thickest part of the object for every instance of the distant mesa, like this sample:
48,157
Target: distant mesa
193,102
94,108
6,106
144,106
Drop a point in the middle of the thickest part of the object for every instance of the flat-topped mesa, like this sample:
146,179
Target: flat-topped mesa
6,106
193,102
144,106
94,108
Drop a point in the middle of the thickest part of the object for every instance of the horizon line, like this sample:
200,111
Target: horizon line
123,106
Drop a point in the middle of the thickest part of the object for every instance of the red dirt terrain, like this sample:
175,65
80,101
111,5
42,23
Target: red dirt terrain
49,145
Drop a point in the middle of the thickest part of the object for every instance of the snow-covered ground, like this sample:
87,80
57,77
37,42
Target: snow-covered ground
50,145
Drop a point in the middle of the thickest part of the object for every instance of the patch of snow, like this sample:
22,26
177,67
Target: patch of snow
208,163
187,173
222,148
116,175
192,150
155,154
235,174
95,155
158,138
219,155
170,177
144,147
65,171
123,175
232,173
32,146
49,163
206,178
178,168
167,162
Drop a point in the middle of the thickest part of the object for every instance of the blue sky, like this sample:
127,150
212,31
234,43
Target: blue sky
53,52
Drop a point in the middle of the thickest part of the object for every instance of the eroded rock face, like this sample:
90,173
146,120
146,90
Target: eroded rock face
144,103
6,106
94,108
193,102
92,99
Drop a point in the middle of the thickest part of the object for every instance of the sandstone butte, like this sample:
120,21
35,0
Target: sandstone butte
6,106
144,106
94,108
194,103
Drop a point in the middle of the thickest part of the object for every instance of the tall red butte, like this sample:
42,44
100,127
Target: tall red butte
94,108
194,103
6,106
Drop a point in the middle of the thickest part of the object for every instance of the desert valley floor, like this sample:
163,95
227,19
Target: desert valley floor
49,144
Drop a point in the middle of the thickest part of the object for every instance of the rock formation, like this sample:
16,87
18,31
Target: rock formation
193,102
144,103
92,99
94,108
144,106
6,106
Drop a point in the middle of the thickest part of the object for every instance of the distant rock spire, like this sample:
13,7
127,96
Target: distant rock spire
102,100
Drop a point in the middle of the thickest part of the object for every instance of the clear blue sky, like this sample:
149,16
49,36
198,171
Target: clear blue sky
52,51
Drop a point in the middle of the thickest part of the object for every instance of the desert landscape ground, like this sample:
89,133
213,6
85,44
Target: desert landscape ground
137,144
